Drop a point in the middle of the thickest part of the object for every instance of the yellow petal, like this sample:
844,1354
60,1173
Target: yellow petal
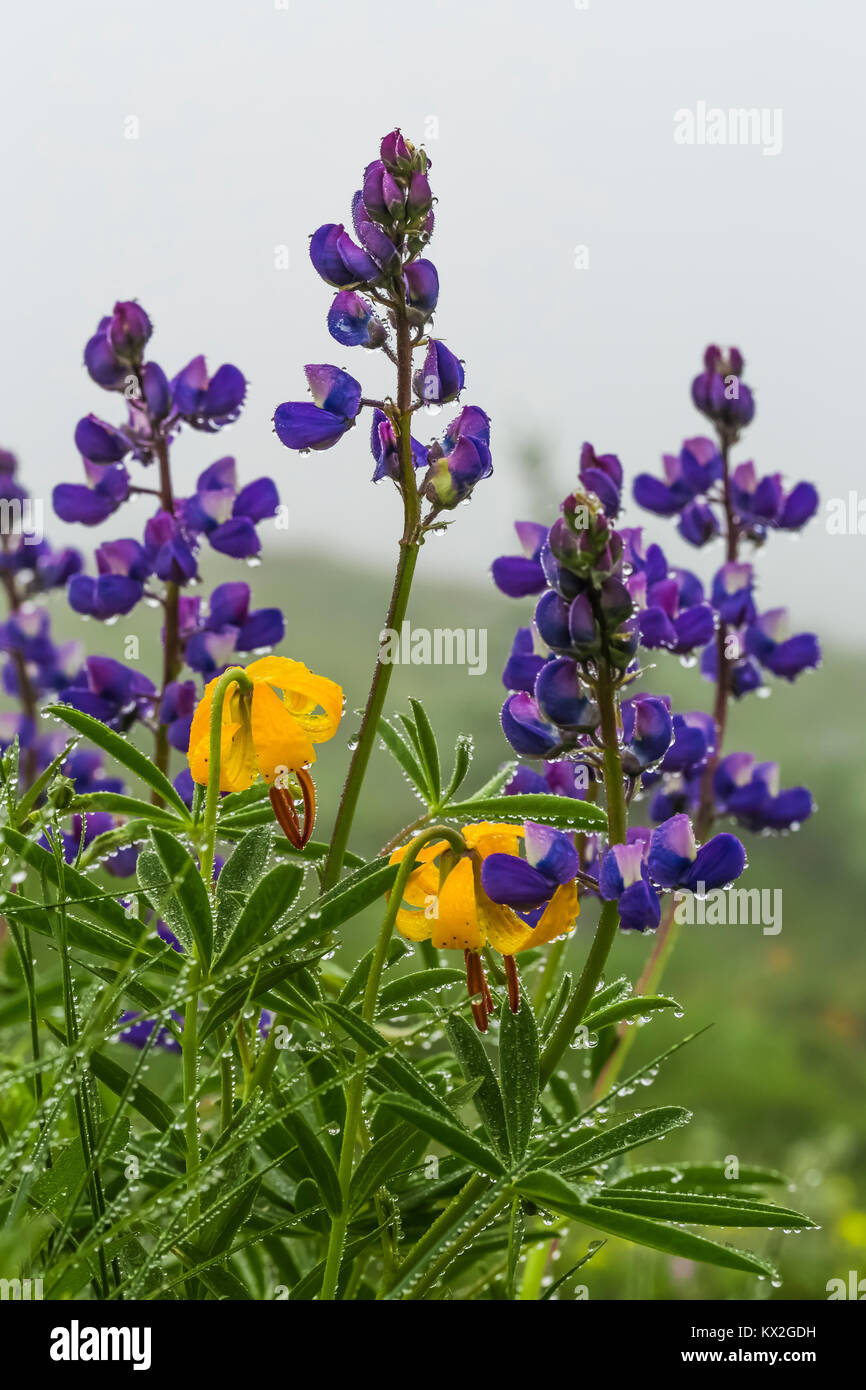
558,918
280,741
457,928
506,933
302,692
488,837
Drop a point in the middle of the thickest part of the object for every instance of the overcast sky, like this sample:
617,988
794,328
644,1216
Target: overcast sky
550,126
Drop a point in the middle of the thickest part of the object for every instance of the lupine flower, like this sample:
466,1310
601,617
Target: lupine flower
529,734
447,903
749,792
785,657
732,593
743,674
602,474
687,475
422,288
110,692
100,443
123,567
231,627
137,1029
208,403
352,322
719,393
92,503
441,378
624,877
647,731
663,621
338,259
226,515
558,778
460,461
386,449
675,861
336,402
176,710
524,663
519,575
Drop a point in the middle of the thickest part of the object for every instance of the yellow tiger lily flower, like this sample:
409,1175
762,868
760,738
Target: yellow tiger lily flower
448,906
270,732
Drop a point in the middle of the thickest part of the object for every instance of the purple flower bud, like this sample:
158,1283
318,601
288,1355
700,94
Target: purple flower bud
386,450
422,287
523,664
419,199
562,699
352,322
441,378
208,403
128,330
101,362
99,442
602,474
157,391
524,728
396,153
338,260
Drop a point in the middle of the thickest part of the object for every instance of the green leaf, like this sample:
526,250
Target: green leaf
636,1007
33,792
350,896
238,877
462,762
566,812
701,1175
444,1131
397,1070
252,989
167,874
701,1210
475,1064
642,1129
384,1159
121,805
416,986
429,749
499,780
125,752
403,754
516,1231
269,901
518,1069
318,1160
140,1097
592,1249
91,898
550,1190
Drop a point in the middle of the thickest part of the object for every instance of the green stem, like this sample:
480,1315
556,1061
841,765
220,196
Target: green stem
190,1083
410,543
235,675
608,921
355,1097
533,1272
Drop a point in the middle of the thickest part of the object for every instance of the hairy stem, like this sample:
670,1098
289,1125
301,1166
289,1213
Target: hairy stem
410,542
355,1096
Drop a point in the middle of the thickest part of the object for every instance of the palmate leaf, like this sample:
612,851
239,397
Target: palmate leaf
428,749
518,1068
564,812
712,1177
268,902
700,1209
551,1191
576,1156
446,1131
169,877
474,1062
238,877
124,752
638,1006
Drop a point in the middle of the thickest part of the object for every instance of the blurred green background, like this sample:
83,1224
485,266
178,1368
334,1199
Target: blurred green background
778,1079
